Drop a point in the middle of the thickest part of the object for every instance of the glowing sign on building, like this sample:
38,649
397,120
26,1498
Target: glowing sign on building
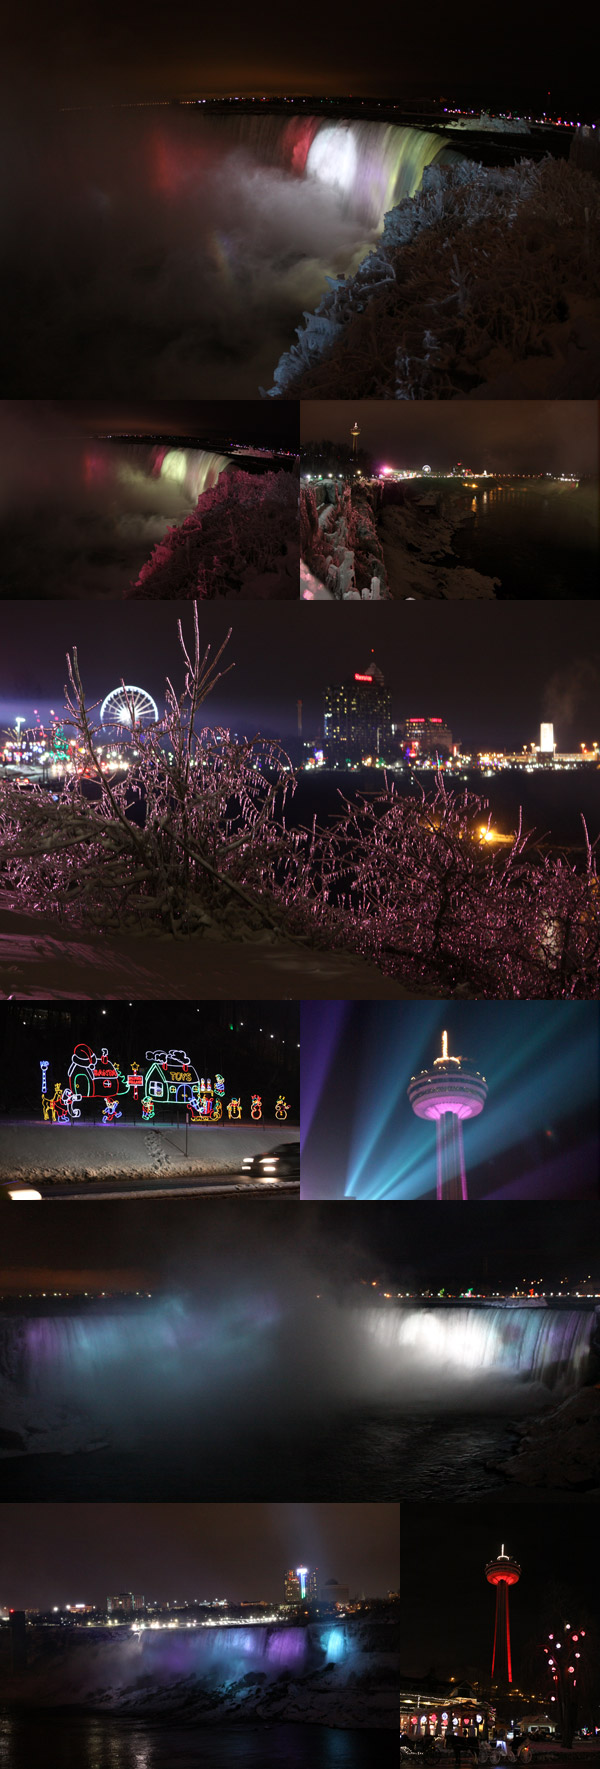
359,678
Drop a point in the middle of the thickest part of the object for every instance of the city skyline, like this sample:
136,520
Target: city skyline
543,667
187,1551
500,435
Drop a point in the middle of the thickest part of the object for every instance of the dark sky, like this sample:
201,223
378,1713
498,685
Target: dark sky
106,51
503,435
416,1244
53,1554
491,670
262,422
447,1604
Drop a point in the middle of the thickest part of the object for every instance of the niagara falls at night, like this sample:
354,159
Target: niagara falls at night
330,1354
196,243
277,1667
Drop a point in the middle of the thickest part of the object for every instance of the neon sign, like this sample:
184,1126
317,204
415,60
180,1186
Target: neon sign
362,678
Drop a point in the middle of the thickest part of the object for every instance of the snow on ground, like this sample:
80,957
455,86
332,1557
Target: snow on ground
74,1151
40,960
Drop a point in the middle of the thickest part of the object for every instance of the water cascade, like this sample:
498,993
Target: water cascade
185,471
371,166
538,1345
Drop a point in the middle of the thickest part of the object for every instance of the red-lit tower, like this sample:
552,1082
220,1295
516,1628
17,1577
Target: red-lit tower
502,1572
450,1091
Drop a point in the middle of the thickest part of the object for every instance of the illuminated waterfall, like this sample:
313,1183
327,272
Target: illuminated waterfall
190,471
372,165
546,1345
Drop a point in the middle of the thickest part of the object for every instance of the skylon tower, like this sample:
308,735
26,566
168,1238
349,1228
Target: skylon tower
450,1091
502,1572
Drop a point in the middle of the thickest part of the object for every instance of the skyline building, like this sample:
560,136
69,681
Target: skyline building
447,1093
301,1585
427,737
357,718
502,1572
125,1603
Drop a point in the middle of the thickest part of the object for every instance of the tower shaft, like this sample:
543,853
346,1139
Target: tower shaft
451,1174
501,1660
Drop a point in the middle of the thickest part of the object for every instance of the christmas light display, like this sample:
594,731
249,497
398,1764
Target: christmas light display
565,1654
168,1080
111,1112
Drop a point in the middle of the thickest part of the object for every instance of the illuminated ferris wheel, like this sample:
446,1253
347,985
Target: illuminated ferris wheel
116,711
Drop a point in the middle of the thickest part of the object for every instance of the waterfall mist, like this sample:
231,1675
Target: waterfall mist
80,516
171,254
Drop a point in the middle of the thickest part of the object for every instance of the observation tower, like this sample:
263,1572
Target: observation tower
452,1090
502,1572
355,433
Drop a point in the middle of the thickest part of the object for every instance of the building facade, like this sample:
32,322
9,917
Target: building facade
357,720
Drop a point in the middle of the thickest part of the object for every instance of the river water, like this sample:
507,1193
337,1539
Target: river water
541,540
107,1741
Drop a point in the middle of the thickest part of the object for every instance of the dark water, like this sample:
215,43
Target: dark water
541,541
552,802
50,1740
376,1455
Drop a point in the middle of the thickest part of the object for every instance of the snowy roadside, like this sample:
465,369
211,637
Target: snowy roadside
71,1153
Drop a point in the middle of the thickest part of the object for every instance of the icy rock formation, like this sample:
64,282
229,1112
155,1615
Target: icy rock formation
475,275
341,546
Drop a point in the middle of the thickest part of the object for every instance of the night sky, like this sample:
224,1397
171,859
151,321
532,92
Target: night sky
553,436
416,1245
106,52
264,423
447,1604
59,1554
491,670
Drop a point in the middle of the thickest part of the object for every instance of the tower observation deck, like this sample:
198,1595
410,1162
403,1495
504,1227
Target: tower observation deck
449,1092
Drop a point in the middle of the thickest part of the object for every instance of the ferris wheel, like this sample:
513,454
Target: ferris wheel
117,708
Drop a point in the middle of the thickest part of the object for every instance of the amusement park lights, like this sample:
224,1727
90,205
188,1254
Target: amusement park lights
447,1093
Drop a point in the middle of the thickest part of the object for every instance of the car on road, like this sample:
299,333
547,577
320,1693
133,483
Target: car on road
280,1162
14,1193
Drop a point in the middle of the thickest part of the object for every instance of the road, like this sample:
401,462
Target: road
231,1185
